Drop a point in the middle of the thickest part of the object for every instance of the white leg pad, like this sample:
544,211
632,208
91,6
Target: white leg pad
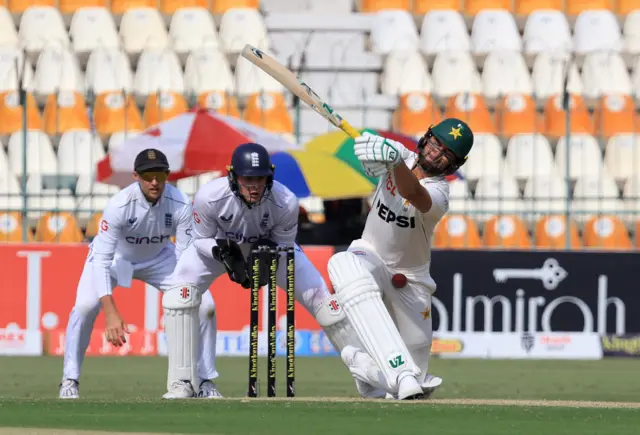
361,300
182,331
331,317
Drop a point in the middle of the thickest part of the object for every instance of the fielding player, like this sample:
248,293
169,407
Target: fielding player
134,241
383,281
231,215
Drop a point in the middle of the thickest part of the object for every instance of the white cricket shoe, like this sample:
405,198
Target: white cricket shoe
208,390
69,389
430,385
180,390
409,388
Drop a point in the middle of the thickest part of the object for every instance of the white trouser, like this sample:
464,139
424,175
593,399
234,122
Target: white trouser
409,307
155,272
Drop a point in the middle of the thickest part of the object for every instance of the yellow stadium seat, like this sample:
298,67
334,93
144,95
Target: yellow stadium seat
221,102
506,232
574,7
119,7
472,109
554,117
623,7
168,7
613,115
551,233
113,113
70,6
457,231
219,7
65,112
11,227
415,113
380,5
19,6
516,113
163,106
58,228
525,7
472,7
269,111
93,225
11,113
421,7
606,232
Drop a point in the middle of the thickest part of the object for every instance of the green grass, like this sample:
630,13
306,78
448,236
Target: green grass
123,394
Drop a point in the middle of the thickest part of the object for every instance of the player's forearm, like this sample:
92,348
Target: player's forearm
409,188
205,247
108,305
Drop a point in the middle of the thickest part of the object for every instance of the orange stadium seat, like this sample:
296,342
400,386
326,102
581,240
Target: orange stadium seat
554,117
574,7
112,113
506,232
516,113
472,7
421,7
457,231
93,225
614,114
606,232
163,106
219,7
623,7
58,228
168,7
472,109
525,7
19,6
222,102
11,113
119,7
65,112
551,233
70,6
379,5
11,227
415,113
269,111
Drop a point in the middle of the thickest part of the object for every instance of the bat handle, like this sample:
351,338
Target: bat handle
349,129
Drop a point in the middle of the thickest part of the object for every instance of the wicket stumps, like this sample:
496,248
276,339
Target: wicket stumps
273,254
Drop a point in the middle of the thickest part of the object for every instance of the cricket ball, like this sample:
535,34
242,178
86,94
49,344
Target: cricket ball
399,280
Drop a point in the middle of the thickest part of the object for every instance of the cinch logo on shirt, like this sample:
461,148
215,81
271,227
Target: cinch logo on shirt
241,238
389,216
147,240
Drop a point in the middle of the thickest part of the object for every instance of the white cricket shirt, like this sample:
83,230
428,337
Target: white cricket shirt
137,231
399,233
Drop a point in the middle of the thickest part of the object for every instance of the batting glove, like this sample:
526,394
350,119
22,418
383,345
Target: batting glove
374,169
372,148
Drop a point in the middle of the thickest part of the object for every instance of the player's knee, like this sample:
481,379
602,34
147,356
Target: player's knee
207,306
349,277
329,312
181,297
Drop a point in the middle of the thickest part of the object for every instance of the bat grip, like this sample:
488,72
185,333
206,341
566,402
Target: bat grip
349,129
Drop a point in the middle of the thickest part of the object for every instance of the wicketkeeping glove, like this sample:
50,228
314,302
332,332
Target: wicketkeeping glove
230,255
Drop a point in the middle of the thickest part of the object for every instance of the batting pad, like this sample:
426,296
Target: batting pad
361,300
331,317
182,331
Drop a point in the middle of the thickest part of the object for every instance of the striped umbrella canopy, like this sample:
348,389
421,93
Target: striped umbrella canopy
340,145
313,173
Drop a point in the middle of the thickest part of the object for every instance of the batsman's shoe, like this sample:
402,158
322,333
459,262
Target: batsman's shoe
409,388
430,385
180,390
208,390
69,389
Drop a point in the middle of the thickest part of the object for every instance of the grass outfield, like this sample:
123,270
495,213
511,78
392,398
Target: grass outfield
123,394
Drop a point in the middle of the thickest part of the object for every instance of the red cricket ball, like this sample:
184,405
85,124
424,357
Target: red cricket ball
399,280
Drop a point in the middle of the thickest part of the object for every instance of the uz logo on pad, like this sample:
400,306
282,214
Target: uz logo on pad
396,361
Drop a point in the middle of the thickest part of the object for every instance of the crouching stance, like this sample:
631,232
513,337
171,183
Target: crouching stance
383,281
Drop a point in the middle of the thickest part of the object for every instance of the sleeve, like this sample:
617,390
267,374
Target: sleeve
103,249
205,227
183,230
285,231
439,200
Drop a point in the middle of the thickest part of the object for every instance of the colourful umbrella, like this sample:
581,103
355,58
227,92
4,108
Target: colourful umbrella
309,173
340,145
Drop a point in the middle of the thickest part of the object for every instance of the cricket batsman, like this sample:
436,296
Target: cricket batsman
134,241
382,281
231,215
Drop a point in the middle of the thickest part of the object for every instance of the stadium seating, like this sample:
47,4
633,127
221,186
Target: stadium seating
94,72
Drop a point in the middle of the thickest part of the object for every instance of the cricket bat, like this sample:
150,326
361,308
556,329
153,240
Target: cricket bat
289,80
